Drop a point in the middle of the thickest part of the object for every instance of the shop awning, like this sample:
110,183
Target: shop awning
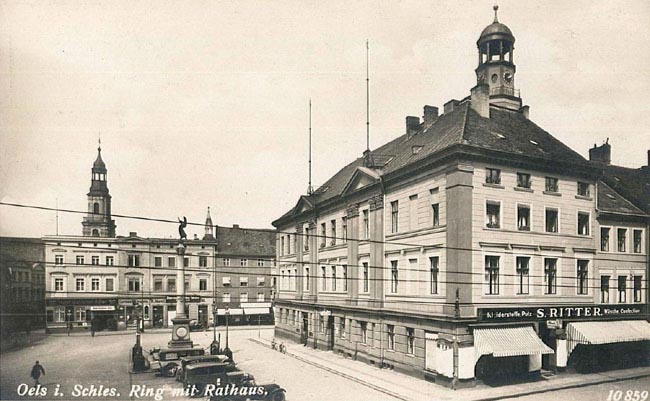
606,332
508,341
256,311
231,312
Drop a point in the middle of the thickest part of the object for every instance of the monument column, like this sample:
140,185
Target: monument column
181,328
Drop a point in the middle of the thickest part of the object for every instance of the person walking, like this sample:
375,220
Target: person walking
37,371
69,328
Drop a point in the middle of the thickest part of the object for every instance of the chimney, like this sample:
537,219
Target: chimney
601,154
450,105
235,226
525,111
480,100
430,114
133,234
412,125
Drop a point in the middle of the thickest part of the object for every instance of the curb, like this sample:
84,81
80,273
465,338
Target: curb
565,387
336,372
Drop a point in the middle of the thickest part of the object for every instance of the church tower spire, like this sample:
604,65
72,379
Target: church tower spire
209,228
98,222
496,66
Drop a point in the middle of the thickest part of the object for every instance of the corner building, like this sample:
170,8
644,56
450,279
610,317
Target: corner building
464,249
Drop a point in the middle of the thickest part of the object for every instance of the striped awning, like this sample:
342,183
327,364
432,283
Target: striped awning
606,332
508,341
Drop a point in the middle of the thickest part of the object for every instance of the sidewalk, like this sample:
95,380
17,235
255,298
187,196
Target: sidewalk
409,388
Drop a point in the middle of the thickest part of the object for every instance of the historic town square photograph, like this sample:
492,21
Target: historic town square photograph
303,200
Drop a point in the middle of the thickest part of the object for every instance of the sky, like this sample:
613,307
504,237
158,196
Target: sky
206,103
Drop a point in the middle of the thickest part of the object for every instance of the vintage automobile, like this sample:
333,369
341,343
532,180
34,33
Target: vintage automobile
190,360
268,392
201,374
196,326
168,360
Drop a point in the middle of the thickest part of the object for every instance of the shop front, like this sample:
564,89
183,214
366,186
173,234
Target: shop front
581,337
82,312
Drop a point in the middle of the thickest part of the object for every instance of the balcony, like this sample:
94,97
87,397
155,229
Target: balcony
504,90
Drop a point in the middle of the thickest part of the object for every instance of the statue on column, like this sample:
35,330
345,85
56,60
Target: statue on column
181,228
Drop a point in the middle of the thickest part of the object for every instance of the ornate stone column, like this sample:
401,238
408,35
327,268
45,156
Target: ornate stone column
181,328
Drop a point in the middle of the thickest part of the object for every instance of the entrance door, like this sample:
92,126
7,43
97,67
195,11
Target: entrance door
330,333
158,319
305,327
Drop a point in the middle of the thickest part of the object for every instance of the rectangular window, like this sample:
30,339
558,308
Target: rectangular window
366,277
622,239
203,284
394,216
433,271
307,283
243,262
523,275
226,297
333,232
333,278
492,176
366,226
342,328
394,276
551,217
550,275
435,214
410,340
203,261
583,277
622,289
226,262
186,262
94,260
81,284
413,212
604,289
243,297
344,228
364,332
323,278
58,259
551,184
523,217
80,259
243,281
110,284
323,235
58,284
260,262
80,314
583,223
157,284
171,284
134,260
59,314
523,180
260,281
492,214
637,241
157,261
583,189
345,278
260,297
637,288
391,336
171,261
604,239
134,284
492,275
94,284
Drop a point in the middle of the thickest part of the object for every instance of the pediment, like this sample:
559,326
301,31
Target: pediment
303,205
361,177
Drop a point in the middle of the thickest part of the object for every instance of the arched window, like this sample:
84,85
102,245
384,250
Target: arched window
96,208
95,232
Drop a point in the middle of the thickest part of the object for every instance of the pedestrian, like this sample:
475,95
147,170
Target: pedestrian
69,328
92,328
37,371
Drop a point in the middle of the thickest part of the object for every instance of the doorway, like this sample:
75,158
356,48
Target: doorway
330,333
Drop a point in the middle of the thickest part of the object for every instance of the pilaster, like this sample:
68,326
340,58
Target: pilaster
353,250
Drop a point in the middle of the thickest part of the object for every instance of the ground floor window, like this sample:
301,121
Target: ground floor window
59,314
604,289
391,336
364,332
637,288
410,340
80,314
622,289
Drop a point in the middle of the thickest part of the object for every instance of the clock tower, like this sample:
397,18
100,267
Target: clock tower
495,64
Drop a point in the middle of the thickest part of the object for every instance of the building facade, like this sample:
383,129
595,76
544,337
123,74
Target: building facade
468,247
113,282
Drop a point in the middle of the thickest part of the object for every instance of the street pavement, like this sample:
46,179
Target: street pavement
306,374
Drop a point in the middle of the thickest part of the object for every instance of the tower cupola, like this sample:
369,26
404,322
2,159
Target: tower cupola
98,222
496,66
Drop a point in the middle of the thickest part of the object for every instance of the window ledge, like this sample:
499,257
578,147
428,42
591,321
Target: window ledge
552,193
589,198
499,186
523,189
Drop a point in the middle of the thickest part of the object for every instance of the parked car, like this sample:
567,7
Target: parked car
203,373
195,325
190,360
168,360
267,392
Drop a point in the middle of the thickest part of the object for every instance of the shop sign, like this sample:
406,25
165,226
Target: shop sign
79,301
102,308
158,300
171,299
569,312
126,302
554,324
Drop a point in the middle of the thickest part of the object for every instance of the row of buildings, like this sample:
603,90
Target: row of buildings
109,281
474,246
